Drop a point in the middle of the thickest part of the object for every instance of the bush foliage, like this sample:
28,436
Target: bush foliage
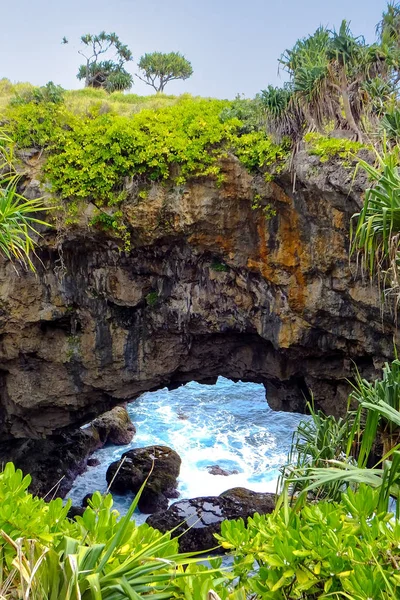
90,154
324,550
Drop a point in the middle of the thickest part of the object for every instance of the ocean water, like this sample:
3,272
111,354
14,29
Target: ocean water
227,424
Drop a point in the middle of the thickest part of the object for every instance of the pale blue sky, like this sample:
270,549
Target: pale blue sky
233,44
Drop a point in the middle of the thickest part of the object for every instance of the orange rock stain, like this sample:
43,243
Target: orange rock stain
288,261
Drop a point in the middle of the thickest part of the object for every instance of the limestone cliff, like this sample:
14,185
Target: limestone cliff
212,286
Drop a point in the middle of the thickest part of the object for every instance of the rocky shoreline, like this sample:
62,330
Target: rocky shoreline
56,461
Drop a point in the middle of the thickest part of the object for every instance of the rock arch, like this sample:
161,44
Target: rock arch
211,286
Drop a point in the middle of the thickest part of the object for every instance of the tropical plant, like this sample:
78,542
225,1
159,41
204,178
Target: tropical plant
324,550
283,116
45,555
34,125
379,95
47,93
378,417
376,235
388,28
329,455
315,444
93,157
18,220
158,68
335,79
331,147
18,225
108,74
307,65
250,112
390,124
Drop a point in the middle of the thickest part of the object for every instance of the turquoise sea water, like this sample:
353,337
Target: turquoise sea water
227,424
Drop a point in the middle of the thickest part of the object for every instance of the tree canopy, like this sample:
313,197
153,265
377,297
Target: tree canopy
157,69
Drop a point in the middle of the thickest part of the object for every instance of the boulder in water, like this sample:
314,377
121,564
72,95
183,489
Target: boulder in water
217,470
250,502
199,518
115,426
129,473
75,511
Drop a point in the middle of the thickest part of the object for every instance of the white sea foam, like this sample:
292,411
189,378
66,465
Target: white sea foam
227,424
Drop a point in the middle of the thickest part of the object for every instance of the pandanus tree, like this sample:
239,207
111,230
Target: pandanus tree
105,57
159,68
388,28
388,31
330,72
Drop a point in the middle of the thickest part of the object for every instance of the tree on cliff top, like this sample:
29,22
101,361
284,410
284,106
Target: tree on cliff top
333,80
158,68
110,73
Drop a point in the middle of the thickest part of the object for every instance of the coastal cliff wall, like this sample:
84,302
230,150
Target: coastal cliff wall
248,279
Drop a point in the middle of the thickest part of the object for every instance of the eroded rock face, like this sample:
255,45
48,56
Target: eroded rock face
210,287
197,520
53,462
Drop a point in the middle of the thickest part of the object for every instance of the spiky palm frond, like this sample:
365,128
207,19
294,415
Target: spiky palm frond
18,220
306,51
388,28
377,233
328,71
390,124
283,115
18,225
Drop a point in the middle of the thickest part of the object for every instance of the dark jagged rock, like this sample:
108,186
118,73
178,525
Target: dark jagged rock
115,426
128,474
53,463
85,500
247,500
199,518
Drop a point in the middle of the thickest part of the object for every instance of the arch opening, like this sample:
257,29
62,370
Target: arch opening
226,435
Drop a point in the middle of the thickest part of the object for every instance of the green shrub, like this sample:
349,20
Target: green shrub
38,125
93,158
152,298
48,93
249,112
327,148
104,221
90,154
219,267
256,150
94,556
346,550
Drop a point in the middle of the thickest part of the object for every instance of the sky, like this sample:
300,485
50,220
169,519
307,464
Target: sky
233,45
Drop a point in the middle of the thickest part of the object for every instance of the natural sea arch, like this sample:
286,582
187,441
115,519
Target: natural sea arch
210,286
